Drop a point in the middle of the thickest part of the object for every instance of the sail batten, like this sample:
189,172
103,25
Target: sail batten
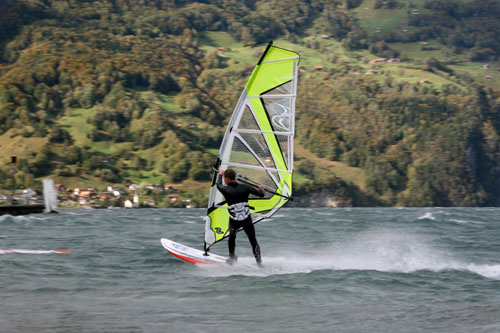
263,132
257,168
258,143
273,96
278,60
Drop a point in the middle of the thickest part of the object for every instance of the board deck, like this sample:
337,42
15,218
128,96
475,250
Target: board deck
192,255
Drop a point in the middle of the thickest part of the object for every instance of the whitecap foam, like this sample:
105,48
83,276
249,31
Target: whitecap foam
327,213
489,271
296,264
378,250
18,218
4,217
427,216
386,251
273,265
464,222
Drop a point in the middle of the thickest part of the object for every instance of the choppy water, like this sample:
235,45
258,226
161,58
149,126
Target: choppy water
326,270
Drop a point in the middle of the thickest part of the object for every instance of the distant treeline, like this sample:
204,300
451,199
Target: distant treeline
417,145
466,26
58,56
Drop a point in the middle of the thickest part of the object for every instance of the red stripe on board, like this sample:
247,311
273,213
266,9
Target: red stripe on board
192,260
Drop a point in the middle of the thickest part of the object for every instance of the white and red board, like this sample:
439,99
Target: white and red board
192,255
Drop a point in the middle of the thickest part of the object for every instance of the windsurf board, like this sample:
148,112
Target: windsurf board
192,255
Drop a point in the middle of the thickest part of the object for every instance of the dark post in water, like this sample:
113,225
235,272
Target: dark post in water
14,162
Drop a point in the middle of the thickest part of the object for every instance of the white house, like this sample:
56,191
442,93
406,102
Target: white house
133,187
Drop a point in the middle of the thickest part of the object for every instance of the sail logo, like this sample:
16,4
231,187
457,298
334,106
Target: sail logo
282,119
219,231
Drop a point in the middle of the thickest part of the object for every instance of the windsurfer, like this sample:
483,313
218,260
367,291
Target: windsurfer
236,195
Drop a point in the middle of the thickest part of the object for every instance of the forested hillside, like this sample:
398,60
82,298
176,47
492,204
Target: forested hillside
399,101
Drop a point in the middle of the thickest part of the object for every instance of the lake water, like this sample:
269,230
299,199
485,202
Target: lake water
326,270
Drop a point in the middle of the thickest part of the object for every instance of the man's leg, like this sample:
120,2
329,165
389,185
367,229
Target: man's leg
231,243
250,231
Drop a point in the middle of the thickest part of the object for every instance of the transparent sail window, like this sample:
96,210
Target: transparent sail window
279,112
259,146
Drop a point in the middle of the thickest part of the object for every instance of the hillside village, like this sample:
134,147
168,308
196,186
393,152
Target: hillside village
127,195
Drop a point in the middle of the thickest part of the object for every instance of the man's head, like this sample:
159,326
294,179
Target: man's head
230,175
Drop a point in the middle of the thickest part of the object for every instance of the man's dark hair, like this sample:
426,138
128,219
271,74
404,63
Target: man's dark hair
229,173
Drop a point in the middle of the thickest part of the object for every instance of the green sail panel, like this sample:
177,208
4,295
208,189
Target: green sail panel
258,142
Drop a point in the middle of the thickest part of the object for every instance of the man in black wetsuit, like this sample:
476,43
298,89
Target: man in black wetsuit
236,195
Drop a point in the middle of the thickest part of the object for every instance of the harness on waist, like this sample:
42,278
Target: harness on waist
239,211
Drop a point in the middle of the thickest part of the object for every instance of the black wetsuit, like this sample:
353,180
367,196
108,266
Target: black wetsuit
235,193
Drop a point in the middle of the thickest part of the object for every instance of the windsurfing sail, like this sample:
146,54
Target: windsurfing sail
50,196
258,143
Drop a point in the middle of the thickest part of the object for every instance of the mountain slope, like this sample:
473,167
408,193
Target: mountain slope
103,91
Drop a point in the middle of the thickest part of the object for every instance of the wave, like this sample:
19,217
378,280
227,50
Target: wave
23,218
372,251
10,218
427,216
280,265
489,271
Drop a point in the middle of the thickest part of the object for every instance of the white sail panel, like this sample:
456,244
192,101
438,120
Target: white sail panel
50,195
